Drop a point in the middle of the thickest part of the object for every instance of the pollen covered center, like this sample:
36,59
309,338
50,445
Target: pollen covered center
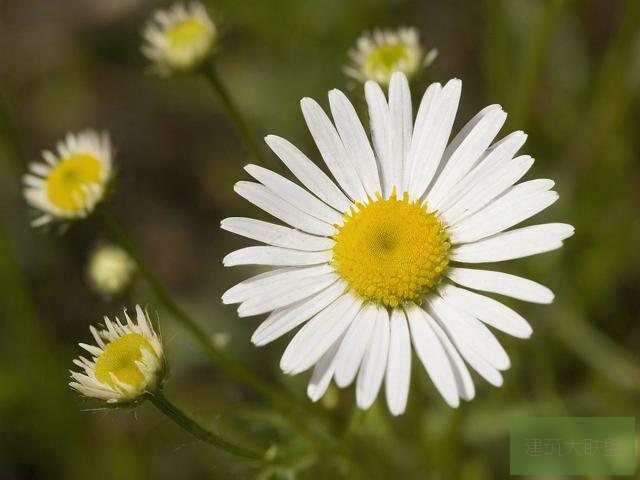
119,358
65,183
386,57
185,33
391,251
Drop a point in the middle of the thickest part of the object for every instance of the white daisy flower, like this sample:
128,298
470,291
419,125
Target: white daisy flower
372,263
126,362
377,55
179,38
68,185
110,270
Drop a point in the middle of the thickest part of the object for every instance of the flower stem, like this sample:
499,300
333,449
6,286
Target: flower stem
234,369
195,429
233,113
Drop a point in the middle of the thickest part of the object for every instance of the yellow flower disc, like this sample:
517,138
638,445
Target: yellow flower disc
185,33
64,185
391,251
384,59
120,357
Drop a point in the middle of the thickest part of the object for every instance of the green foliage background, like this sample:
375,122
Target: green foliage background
568,73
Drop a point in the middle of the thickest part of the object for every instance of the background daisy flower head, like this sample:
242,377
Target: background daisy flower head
377,55
370,263
69,184
179,38
110,270
126,362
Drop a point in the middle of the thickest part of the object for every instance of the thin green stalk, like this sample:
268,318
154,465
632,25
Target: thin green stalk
234,114
534,56
235,370
181,419
229,365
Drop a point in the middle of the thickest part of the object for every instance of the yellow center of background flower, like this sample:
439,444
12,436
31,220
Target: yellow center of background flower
120,357
391,251
65,183
385,58
185,33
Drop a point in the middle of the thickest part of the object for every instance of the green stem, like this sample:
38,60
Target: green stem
233,113
229,365
534,56
195,429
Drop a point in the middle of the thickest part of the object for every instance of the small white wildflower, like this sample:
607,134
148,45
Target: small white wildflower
179,38
377,55
68,185
126,362
110,270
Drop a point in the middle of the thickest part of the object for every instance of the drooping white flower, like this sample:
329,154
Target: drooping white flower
68,185
371,264
110,270
179,38
378,55
126,362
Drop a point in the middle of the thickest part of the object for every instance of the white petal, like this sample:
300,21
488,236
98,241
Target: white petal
464,383
308,173
268,201
444,316
374,362
318,334
464,151
502,283
380,125
295,195
518,243
516,205
276,235
282,321
401,126
433,128
285,293
354,344
355,141
488,310
429,350
398,374
465,328
332,149
496,172
275,256
322,373
243,290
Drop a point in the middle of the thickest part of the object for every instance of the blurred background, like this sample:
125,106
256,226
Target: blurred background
567,72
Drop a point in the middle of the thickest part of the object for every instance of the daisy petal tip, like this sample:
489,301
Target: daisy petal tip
454,83
397,410
257,339
453,402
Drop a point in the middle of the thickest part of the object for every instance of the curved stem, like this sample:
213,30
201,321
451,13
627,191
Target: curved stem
228,364
195,429
234,114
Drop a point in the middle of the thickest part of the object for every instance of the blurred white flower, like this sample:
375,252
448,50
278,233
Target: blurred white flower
377,55
179,38
127,361
371,264
68,185
110,270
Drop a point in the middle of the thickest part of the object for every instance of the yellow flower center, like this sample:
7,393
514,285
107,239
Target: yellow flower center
391,251
120,357
385,58
64,185
185,33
